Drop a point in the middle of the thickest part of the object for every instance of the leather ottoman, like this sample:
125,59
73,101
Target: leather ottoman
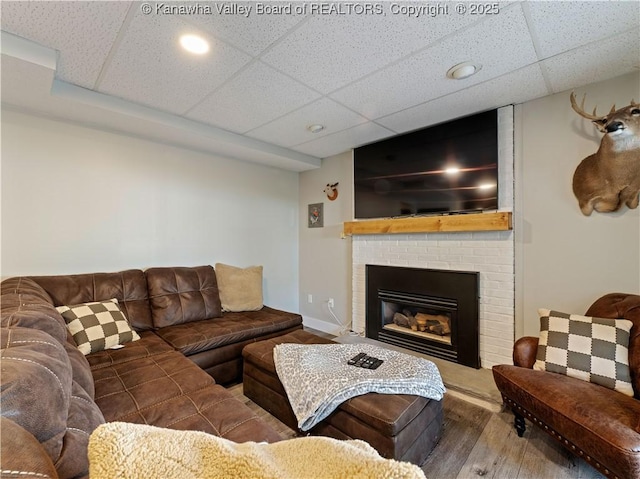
398,426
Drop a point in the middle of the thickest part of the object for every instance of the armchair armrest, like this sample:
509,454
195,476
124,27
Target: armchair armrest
524,352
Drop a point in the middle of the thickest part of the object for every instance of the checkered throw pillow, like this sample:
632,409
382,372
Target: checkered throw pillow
592,349
98,325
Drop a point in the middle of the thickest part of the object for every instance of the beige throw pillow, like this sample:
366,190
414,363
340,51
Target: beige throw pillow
240,288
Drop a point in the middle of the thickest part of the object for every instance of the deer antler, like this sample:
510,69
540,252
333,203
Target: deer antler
580,109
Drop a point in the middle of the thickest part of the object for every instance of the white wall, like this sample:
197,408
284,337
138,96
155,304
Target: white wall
325,258
78,200
566,260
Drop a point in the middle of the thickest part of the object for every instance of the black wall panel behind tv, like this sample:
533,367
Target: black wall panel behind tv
447,168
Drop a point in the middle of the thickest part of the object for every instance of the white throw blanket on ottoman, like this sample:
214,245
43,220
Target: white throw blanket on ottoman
317,378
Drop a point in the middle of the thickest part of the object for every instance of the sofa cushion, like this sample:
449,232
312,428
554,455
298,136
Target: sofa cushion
97,325
183,295
590,349
39,394
80,369
18,312
232,328
22,455
135,391
128,287
26,287
27,304
83,417
169,390
33,362
149,344
211,409
240,288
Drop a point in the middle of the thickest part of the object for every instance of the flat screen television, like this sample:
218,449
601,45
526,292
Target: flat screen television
448,168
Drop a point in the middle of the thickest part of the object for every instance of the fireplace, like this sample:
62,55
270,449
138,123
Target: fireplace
434,312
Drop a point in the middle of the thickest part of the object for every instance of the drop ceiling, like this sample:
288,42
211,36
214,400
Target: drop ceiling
266,77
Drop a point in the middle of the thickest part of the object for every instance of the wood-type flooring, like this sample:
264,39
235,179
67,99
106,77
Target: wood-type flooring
477,442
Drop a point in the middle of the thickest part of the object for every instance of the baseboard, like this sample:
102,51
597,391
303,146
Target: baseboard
320,325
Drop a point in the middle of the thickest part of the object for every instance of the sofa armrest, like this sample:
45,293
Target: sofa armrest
524,352
22,454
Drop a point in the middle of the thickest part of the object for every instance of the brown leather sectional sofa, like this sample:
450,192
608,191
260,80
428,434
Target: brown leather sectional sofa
598,424
53,396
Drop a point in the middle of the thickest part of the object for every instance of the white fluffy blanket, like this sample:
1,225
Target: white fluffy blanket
134,451
317,378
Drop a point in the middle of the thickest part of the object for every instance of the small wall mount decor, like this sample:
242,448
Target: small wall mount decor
315,216
610,177
331,190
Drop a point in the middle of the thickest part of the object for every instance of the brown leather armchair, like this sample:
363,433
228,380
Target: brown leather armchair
598,424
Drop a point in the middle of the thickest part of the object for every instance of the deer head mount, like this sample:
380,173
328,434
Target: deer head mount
331,190
610,177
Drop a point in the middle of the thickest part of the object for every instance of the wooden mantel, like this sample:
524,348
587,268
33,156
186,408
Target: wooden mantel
500,221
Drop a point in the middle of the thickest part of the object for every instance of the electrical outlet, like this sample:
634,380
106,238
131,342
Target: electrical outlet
309,298
331,303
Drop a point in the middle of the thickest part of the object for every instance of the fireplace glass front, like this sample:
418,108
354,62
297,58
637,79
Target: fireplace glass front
434,312
418,315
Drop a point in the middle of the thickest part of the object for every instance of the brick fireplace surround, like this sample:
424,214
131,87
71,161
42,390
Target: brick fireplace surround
489,253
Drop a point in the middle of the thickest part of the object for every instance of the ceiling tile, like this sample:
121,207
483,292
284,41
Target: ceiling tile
389,67
594,62
151,68
251,33
344,140
292,130
329,51
517,87
256,96
561,26
82,31
500,44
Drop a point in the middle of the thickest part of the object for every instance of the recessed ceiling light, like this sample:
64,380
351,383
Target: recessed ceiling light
194,44
463,70
315,128
487,186
453,170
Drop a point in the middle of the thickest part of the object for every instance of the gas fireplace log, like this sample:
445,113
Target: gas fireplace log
438,324
423,324
413,322
401,320
437,329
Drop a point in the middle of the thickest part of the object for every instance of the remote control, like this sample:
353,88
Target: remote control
361,360
377,364
369,362
355,359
